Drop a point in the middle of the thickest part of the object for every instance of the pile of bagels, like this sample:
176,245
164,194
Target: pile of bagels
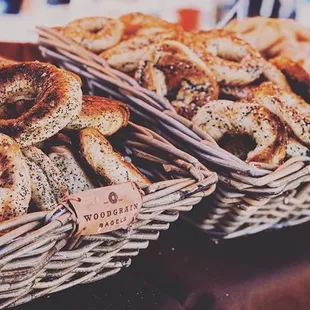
254,106
274,37
53,139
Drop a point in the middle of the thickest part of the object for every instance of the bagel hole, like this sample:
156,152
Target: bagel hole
94,30
239,145
16,109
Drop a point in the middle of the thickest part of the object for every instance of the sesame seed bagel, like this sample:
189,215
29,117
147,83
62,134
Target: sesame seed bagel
105,114
57,94
221,117
232,60
95,33
290,108
175,71
15,187
126,55
297,76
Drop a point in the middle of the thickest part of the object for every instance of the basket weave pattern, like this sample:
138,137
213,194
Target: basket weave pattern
248,199
38,255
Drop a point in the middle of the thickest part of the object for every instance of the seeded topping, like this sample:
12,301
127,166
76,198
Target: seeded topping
58,98
221,117
15,187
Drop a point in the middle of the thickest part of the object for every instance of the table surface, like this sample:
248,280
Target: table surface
185,270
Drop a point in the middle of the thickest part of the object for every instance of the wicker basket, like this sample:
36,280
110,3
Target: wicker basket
248,199
38,256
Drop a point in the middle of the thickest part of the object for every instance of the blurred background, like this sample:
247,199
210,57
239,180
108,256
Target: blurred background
19,17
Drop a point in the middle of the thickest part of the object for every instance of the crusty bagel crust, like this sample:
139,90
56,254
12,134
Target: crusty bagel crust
107,115
54,177
126,55
95,33
290,108
175,71
41,193
232,60
222,116
137,24
108,164
75,177
15,187
297,76
58,99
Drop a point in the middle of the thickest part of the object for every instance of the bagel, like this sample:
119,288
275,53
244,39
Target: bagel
54,177
126,55
77,77
232,60
246,24
270,73
231,92
295,148
238,145
221,117
251,29
298,52
105,162
290,108
175,71
6,62
15,184
58,99
75,177
94,33
14,110
137,24
297,76
279,30
292,28
273,74
41,193
107,115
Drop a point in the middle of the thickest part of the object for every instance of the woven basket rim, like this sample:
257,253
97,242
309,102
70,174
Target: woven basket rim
256,173
39,255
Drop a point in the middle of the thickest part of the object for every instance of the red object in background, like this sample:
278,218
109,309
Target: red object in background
189,18
20,51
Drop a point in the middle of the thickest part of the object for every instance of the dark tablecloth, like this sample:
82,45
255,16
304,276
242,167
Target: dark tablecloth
185,270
